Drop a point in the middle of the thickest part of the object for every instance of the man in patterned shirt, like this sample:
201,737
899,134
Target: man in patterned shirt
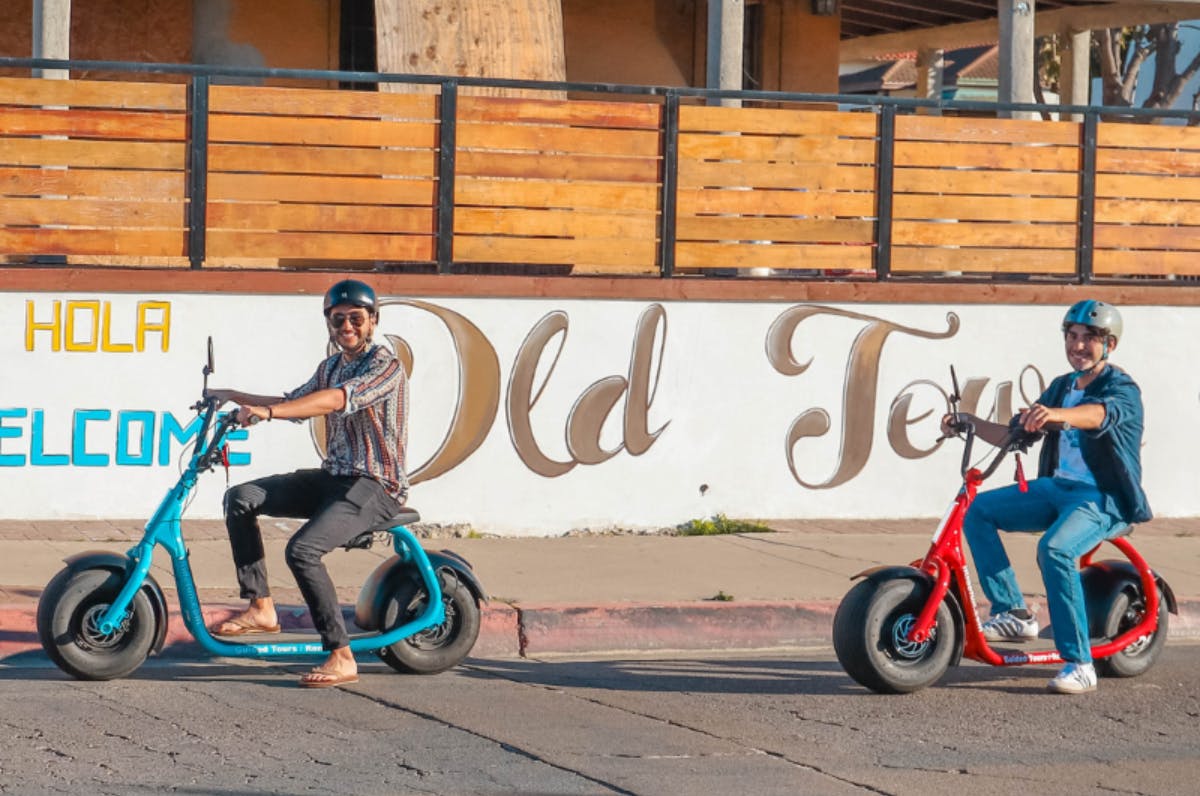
361,392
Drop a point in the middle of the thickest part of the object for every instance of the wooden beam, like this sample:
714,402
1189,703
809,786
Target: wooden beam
1108,15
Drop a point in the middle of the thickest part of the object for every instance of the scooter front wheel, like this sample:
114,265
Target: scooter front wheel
870,636
440,647
68,618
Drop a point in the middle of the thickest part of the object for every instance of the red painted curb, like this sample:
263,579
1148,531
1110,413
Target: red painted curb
530,630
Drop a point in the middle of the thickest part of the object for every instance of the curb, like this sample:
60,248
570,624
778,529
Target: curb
548,629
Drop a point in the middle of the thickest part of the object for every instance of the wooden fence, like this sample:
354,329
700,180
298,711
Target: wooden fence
173,174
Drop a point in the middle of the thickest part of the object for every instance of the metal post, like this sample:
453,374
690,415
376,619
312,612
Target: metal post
1087,199
197,170
885,162
670,185
447,150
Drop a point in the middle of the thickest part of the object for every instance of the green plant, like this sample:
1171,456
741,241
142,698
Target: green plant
722,597
720,524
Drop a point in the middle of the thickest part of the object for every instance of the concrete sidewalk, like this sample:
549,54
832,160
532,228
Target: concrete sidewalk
586,593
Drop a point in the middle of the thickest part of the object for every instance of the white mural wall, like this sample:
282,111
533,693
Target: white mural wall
540,416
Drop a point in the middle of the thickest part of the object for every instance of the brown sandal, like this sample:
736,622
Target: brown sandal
319,678
241,626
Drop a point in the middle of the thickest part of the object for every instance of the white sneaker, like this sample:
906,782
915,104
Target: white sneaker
1006,626
1075,678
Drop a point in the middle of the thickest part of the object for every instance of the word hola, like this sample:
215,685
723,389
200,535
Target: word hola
87,325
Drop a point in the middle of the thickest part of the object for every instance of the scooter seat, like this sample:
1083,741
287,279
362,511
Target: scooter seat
405,516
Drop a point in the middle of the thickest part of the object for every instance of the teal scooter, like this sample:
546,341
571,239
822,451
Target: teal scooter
103,614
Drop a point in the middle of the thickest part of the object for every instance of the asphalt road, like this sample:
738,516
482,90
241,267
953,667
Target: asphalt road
791,724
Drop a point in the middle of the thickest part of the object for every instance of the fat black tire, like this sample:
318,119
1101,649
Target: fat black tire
1123,610
440,647
868,637
67,614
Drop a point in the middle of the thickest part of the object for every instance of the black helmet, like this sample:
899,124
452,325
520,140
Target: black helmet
353,292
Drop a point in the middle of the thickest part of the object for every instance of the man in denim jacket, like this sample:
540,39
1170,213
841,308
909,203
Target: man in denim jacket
1088,489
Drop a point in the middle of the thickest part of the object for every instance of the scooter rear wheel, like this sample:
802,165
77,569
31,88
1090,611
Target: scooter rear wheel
1124,610
440,647
870,632
68,616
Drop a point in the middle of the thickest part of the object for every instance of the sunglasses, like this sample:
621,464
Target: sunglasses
357,319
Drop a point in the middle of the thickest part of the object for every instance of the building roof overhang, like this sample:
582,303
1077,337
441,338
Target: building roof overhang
871,28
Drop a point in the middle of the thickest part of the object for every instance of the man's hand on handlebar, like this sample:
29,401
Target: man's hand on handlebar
249,415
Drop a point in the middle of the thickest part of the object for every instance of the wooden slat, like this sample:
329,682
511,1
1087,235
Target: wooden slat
777,121
313,188
1158,136
984,182
697,174
823,204
557,167
92,93
320,218
928,233
560,223
547,251
92,154
1033,261
320,246
93,213
958,129
1146,161
320,160
319,102
80,123
983,208
992,156
747,255
577,140
321,132
147,243
625,269
568,195
1147,212
1144,236
1132,186
576,112
1161,263
94,183
773,148
793,230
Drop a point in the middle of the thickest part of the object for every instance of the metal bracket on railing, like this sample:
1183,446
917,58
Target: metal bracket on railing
447,151
197,170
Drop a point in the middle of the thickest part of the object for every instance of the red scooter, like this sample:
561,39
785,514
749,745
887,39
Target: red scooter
900,627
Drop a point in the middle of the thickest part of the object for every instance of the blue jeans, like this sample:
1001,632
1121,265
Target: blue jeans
1071,515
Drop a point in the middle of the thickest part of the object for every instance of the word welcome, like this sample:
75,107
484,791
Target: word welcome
101,438
87,325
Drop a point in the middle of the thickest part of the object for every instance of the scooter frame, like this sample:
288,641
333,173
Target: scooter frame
946,566
164,528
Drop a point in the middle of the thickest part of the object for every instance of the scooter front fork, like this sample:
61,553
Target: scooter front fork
919,632
114,616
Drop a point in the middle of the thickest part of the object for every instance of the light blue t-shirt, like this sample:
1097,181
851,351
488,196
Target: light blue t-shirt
1070,459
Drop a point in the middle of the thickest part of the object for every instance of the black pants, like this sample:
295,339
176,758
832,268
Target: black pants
337,508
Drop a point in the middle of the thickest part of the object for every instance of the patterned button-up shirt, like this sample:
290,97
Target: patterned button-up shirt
370,436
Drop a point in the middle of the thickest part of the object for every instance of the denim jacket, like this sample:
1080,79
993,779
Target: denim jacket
1113,451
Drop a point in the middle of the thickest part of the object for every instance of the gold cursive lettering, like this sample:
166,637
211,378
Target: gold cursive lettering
859,390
